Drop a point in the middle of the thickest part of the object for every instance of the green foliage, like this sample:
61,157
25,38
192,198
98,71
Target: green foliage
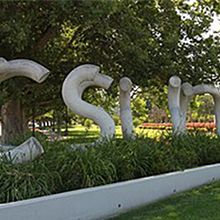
88,123
62,169
116,119
20,139
201,109
148,41
143,40
139,108
136,122
17,182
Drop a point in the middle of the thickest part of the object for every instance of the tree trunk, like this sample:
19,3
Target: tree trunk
14,121
59,124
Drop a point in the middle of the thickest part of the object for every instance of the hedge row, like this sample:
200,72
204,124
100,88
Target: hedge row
62,169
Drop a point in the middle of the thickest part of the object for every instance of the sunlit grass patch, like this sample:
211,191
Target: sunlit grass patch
78,131
84,132
151,133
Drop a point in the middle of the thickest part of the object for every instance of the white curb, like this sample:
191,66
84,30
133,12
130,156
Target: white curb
105,201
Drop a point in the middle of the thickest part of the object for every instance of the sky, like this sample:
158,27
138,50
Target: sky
216,23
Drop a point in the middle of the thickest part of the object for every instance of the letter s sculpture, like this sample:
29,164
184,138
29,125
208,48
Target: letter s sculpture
73,87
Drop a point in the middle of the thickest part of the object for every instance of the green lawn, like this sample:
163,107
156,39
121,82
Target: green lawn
81,132
199,204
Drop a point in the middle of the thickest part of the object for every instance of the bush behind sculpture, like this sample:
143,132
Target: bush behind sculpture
61,169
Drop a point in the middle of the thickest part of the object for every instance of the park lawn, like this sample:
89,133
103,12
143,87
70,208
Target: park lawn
202,203
81,132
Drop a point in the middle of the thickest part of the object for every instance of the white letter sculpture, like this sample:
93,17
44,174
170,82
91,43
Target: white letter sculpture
179,97
125,108
73,87
22,67
27,151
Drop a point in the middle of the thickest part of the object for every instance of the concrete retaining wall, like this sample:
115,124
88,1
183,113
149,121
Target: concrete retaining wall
104,201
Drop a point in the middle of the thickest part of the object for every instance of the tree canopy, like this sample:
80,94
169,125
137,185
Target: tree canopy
148,41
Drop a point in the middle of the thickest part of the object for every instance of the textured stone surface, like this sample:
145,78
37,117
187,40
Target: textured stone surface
179,97
27,151
22,67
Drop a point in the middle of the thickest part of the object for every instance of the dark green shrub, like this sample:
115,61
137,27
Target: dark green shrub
62,169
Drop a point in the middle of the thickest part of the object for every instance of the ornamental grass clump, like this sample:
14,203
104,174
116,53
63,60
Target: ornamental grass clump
207,147
25,181
131,159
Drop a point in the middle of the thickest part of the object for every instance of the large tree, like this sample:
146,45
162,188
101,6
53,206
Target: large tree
148,41
34,30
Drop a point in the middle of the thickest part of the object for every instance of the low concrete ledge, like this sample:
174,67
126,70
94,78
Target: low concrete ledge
105,201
